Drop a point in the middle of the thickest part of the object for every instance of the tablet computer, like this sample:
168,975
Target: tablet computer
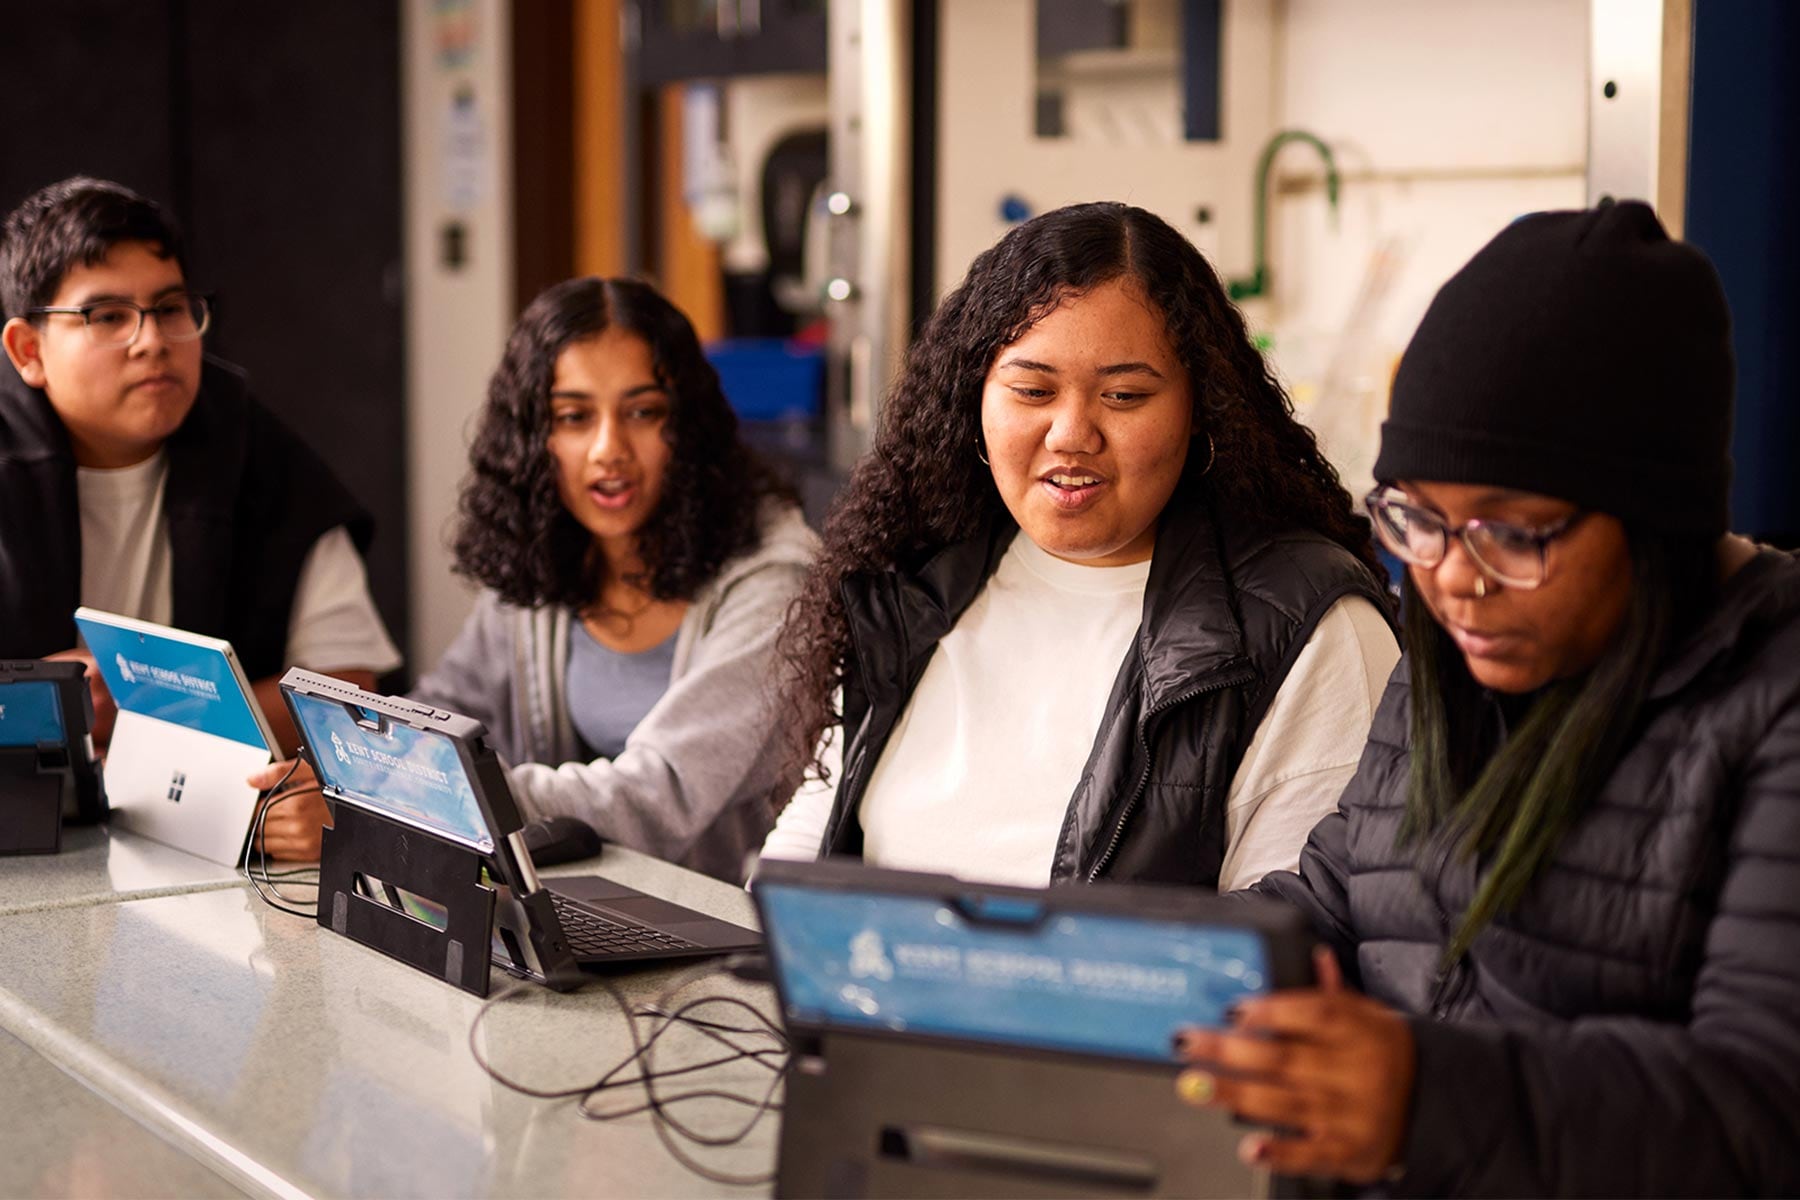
1100,971
49,770
188,733
429,769
959,1039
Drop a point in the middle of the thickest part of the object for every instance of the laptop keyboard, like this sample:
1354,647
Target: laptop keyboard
593,936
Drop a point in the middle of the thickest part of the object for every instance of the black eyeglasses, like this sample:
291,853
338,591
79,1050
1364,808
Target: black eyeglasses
181,317
1508,554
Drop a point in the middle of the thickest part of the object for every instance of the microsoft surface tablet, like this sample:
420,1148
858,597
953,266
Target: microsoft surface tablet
188,733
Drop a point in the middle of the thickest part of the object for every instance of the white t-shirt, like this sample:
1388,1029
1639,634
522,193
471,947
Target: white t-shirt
126,568
976,777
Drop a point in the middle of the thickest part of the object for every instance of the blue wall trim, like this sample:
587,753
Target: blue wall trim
1743,187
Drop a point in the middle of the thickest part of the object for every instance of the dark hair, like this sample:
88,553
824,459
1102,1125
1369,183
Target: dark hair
514,534
1511,806
74,223
921,486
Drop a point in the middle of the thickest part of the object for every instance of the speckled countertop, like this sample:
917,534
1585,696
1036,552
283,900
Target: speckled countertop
284,1060
99,866
67,1141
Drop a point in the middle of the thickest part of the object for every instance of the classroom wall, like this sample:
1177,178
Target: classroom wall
457,171
1448,121
987,148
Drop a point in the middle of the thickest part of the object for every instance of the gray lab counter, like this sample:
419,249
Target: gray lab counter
280,1059
99,865
63,1140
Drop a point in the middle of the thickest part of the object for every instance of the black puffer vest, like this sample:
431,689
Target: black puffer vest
1227,609
245,501
1632,1027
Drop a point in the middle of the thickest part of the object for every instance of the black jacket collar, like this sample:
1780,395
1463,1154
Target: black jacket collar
1765,590
30,430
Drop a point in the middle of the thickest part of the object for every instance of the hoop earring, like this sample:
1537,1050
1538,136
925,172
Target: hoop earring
980,452
1212,453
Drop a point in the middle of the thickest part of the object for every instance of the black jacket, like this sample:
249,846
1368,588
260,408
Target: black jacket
1227,609
1633,1027
245,502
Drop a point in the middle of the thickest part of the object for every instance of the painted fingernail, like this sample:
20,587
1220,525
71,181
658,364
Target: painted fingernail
1253,1150
1195,1087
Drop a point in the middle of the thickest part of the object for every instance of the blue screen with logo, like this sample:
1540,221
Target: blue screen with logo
172,680
30,714
1085,983
406,773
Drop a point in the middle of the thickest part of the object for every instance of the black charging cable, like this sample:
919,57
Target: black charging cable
758,1040
264,883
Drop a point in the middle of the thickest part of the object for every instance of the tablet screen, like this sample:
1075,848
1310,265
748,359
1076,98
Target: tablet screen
174,680
30,714
409,774
1079,982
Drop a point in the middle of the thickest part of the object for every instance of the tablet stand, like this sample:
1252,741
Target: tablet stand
867,1115
32,795
369,867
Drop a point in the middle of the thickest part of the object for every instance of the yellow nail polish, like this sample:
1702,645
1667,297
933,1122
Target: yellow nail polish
1195,1087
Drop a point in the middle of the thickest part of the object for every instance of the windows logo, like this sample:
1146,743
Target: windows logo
176,783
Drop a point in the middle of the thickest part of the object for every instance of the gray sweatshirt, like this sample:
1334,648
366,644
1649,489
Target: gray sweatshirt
694,781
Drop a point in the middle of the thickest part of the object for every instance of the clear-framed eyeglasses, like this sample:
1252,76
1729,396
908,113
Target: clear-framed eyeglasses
1508,554
180,317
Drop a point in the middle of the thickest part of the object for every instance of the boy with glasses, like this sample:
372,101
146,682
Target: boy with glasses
141,477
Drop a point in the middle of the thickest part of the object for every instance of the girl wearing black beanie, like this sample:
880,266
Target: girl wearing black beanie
1561,897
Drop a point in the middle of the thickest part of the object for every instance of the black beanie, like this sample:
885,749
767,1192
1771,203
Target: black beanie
1581,355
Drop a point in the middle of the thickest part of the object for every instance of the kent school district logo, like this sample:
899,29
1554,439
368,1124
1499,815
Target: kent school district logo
868,957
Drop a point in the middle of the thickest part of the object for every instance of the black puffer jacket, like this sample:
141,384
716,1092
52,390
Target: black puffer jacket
1227,609
1633,1027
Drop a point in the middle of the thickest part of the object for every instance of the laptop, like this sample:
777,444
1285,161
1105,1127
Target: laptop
432,770
964,1039
188,733
49,770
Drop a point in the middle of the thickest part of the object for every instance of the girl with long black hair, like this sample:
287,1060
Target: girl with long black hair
1094,605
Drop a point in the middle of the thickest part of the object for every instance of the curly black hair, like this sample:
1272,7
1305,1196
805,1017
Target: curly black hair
921,486
514,534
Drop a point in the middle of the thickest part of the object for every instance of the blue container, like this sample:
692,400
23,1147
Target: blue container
770,379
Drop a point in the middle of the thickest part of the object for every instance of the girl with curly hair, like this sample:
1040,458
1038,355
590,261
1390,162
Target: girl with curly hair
1094,605
636,560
